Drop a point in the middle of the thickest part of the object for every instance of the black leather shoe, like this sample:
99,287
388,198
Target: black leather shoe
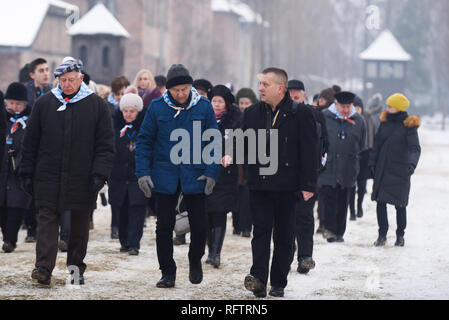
340,239
381,241
42,275
196,272
8,247
133,252
305,264
255,286
277,292
400,242
166,282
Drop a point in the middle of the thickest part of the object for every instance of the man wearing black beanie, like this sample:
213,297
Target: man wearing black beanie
163,176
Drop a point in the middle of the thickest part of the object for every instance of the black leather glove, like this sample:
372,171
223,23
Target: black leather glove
96,184
411,169
27,185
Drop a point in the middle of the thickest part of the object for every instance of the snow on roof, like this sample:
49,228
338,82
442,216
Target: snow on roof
98,21
385,47
20,20
244,11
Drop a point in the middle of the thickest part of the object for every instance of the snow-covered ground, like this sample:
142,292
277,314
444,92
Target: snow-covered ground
352,270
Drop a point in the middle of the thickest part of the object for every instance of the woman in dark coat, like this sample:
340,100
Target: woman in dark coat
241,218
13,200
224,198
127,201
393,161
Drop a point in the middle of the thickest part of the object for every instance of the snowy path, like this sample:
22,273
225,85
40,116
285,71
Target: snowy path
352,270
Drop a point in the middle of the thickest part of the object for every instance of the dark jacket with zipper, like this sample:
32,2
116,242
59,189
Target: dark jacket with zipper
297,147
11,193
63,150
343,166
396,149
225,195
123,181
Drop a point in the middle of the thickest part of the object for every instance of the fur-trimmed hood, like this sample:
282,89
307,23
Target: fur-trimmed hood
410,122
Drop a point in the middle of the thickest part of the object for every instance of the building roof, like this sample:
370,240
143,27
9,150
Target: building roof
99,20
385,48
21,20
242,10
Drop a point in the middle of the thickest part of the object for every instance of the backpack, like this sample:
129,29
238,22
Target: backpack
322,143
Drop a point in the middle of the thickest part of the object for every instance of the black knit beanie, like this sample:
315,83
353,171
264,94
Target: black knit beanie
16,91
246,93
177,75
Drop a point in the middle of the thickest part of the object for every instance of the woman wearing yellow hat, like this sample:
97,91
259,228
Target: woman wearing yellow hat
393,161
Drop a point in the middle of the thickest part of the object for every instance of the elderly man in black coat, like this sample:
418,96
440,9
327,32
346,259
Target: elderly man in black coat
68,154
347,138
292,129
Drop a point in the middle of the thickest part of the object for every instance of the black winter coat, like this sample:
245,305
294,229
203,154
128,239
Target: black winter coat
62,151
2,125
11,193
225,195
342,166
123,181
297,147
396,148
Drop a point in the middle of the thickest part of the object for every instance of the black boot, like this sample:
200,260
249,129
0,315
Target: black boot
42,275
210,257
167,281
31,235
400,242
196,272
381,241
218,235
8,247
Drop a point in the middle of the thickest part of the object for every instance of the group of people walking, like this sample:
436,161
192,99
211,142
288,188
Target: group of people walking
63,145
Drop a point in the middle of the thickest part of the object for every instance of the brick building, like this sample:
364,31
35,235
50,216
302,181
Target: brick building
213,38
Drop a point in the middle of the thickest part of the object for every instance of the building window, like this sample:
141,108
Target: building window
386,70
83,54
371,70
399,71
106,57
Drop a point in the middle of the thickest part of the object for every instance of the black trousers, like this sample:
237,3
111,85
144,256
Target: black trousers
361,191
217,219
47,238
11,220
242,217
321,207
336,202
272,213
166,219
115,217
132,219
305,226
65,226
382,219
30,219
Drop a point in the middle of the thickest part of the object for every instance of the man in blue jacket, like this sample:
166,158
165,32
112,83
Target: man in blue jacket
180,109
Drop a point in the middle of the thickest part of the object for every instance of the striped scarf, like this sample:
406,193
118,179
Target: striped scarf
83,93
193,102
